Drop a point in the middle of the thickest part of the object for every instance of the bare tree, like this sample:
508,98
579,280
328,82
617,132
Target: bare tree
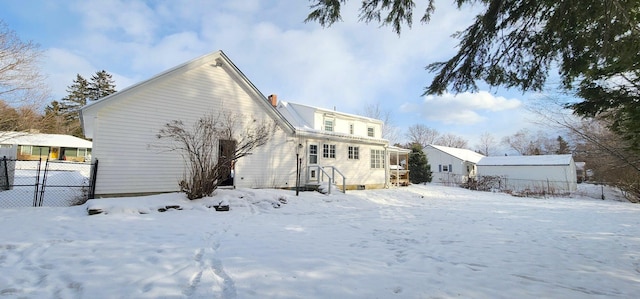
527,143
389,130
607,154
212,145
451,140
422,135
487,144
20,77
519,141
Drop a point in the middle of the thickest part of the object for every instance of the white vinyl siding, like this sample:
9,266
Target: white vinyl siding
185,94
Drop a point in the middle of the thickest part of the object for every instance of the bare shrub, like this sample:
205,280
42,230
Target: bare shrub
212,145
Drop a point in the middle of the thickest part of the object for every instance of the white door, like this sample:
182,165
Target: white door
313,162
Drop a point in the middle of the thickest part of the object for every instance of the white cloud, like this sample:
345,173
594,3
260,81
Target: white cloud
132,20
61,67
463,109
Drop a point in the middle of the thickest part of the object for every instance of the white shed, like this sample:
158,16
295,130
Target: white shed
451,166
536,174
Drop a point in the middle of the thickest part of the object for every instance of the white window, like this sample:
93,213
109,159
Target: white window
313,154
328,125
377,158
351,129
329,151
370,132
445,168
354,153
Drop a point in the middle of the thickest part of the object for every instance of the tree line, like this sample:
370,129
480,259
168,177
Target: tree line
60,116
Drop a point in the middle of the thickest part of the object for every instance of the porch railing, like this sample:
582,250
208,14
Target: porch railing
331,175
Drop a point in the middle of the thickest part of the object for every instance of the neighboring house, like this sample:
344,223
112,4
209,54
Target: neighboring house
451,166
537,174
124,126
36,146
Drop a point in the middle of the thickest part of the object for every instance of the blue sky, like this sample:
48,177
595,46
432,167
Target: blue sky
347,66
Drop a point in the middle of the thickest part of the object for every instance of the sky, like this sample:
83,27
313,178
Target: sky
348,66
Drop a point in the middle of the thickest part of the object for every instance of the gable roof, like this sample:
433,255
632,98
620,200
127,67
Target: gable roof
293,109
51,140
541,160
291,112
460,153
218,58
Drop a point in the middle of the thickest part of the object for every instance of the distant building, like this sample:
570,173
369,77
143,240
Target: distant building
451,166
36,146
537,174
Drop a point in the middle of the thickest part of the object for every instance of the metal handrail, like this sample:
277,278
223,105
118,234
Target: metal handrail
331,177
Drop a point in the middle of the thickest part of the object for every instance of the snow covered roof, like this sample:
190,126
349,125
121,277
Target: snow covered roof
292,112
540,160
53,140
289,112
460,153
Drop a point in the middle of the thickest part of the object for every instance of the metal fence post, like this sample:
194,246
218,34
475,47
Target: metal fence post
92,180
6,173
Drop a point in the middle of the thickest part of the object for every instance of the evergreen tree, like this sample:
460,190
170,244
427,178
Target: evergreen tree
419,168
53,120
563,146
80,93
101,85
593,45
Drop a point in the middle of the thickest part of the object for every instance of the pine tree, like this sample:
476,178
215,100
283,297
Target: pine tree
80,93
101,85
563,146
591,44
53,120
419,168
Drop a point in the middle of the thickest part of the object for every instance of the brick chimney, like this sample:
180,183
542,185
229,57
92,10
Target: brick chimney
274,100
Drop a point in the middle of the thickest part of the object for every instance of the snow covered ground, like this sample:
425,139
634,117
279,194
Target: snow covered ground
413,242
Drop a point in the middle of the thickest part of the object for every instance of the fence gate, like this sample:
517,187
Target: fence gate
50,183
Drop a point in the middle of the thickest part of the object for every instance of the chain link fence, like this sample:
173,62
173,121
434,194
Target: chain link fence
45,183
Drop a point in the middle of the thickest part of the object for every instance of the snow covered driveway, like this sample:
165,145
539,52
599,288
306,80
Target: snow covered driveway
413,242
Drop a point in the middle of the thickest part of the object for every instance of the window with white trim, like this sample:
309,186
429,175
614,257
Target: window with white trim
371,132
445,168
329,151
328,124
354,153
377,158
313,154
351,129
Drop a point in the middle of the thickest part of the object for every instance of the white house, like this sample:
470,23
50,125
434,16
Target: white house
536,174
451,166
35,146
124,126
336,141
